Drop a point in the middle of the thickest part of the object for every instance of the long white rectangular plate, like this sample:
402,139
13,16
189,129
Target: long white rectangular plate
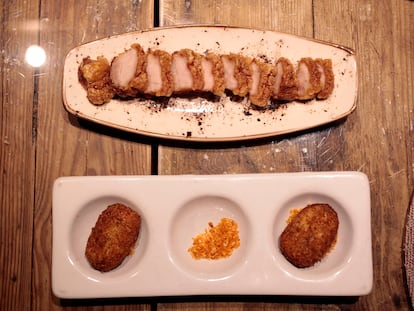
176,208
202,118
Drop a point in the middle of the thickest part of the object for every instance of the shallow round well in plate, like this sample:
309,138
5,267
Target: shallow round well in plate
191,219
81,227
336,259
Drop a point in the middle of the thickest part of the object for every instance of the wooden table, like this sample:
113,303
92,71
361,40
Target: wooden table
40,141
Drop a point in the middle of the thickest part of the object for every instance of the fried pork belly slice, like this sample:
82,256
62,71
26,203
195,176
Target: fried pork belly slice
213,74
263,79
286,82
187,71
309,79
158,69
237,73
327,77
229,66
94,77
128,74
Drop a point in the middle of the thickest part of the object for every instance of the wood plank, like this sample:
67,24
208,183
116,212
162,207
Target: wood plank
372,140
17,152
285,154
68,146
383,121
278,155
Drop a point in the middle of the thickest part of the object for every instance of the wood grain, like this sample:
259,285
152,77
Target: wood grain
17,154
40,141
238,158
66,145
382,119
373,139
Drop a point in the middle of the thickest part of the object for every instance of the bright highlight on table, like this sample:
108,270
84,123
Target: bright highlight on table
35,56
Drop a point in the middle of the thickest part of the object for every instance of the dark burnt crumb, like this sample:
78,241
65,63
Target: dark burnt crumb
218,43
276,104
247,113
258,120
234,98
198,44
163,101
281,42
265,59
200,123
189,133
205,30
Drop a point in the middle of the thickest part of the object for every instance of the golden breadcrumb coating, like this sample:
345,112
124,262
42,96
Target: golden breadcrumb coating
194,65
153,76
113,237
266,82
242,73
310,235
218,73
288,89
94,77
140,82
216,242
314,85
329,78
166,75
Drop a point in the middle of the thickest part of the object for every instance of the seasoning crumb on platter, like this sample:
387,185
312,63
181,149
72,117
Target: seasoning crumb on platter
216,242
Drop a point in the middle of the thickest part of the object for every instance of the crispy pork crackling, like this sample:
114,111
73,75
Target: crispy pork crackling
113,237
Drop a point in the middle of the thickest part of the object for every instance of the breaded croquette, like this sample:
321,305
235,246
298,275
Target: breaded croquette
113,237
310,235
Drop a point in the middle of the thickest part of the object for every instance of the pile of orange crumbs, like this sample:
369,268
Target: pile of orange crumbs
217,241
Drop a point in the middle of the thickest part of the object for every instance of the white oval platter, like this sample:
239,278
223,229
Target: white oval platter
207,118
